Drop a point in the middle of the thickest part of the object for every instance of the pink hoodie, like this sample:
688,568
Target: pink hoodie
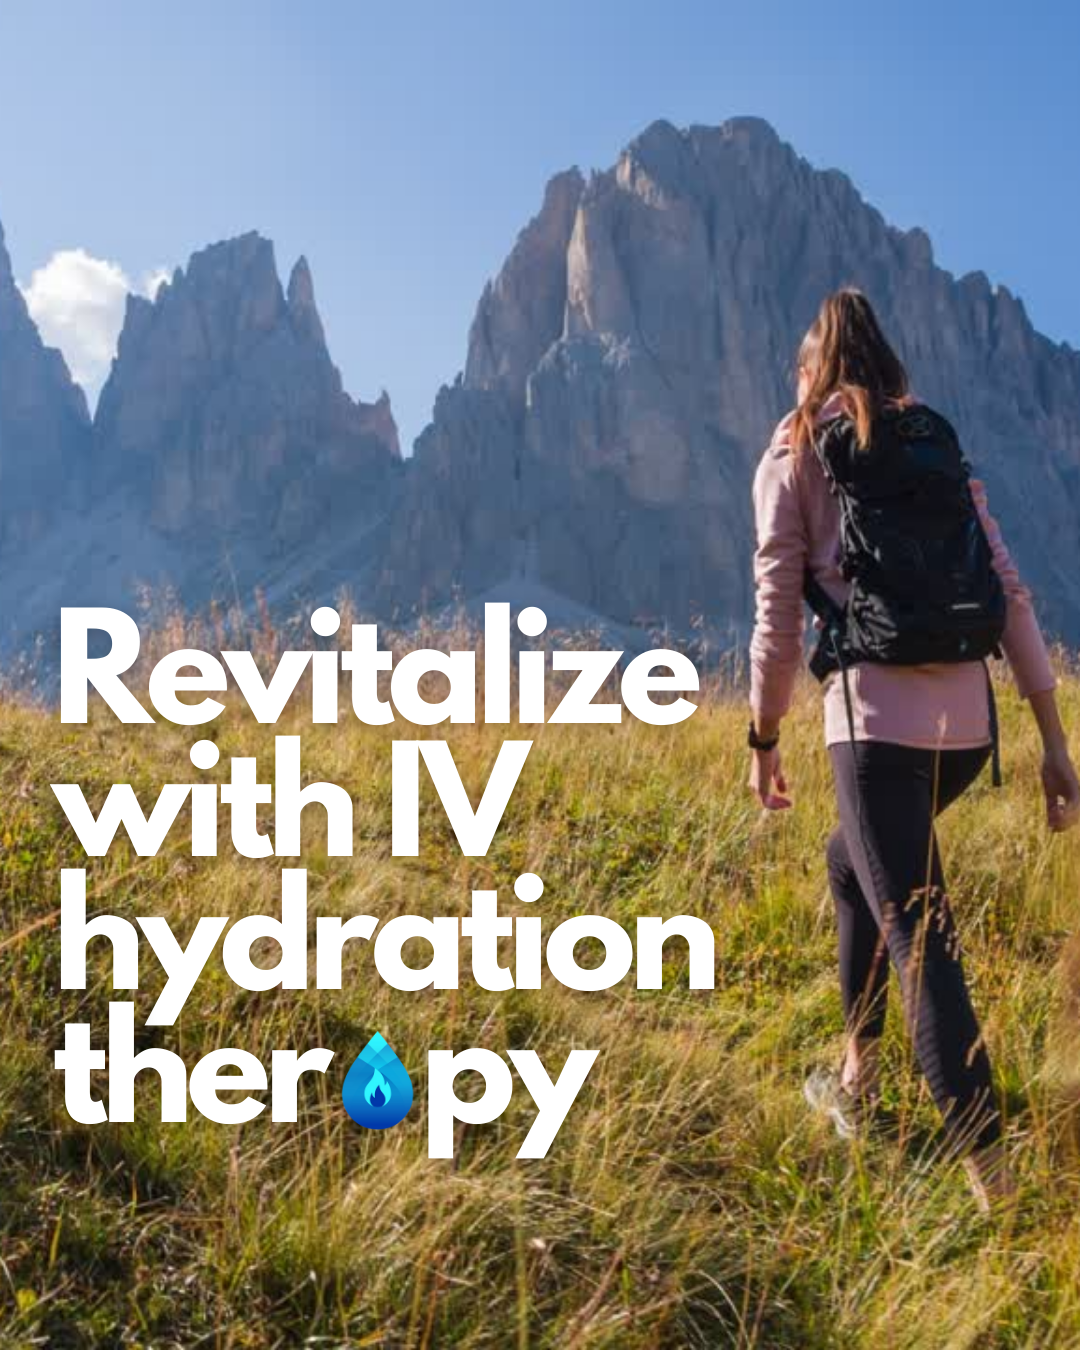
798,524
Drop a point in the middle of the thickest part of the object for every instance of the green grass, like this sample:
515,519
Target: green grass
688,1200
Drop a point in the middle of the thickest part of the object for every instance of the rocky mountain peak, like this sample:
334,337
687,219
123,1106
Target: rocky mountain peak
522,311
300,297
226,454
5,259
224,404
44,422
628,363
625,367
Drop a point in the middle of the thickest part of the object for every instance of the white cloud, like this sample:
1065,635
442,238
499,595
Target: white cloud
154,280
77,302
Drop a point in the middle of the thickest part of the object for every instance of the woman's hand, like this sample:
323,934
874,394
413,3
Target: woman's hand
767,780
1058,775
1062,788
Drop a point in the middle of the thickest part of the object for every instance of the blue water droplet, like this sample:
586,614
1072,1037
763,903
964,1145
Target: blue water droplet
377,1091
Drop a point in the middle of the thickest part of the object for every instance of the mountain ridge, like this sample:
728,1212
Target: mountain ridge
623,370
693,266
44,422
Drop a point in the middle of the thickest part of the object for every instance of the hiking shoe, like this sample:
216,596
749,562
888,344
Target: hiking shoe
826,1094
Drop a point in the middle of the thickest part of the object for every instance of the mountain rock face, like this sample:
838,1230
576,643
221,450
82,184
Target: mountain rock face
225,456
624,372
226,414
627,367
44,423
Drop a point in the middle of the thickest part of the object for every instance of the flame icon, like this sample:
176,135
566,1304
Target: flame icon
377,1091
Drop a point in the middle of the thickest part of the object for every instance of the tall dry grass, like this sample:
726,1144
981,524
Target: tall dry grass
688,1201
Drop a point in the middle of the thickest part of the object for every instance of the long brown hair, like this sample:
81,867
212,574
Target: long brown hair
846,353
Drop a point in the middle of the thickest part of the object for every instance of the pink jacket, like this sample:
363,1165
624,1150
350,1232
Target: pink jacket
798,524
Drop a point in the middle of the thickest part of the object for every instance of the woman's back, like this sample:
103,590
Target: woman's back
927,706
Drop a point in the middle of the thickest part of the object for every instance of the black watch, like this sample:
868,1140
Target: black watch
756,742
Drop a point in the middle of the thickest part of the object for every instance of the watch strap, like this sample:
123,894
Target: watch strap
756,742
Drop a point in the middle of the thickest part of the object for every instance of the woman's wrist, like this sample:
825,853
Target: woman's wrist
767,728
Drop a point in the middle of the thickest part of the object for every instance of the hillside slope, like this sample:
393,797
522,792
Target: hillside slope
688,1201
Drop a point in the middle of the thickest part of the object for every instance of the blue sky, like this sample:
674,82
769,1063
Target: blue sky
402,146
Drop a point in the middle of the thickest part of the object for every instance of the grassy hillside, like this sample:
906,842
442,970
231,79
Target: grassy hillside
688,1201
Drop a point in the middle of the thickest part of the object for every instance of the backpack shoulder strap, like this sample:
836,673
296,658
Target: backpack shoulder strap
820,601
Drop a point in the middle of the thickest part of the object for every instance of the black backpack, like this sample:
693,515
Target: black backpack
923,587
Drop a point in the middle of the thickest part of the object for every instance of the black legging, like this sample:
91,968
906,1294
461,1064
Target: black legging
886,879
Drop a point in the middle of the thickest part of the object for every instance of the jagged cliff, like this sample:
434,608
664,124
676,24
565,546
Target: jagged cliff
226,412
225,454
44,424
628,364
623,372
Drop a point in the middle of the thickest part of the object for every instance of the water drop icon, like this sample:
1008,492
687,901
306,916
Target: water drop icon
377,1091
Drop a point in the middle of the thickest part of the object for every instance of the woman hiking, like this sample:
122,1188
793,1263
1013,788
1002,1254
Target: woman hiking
864,507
